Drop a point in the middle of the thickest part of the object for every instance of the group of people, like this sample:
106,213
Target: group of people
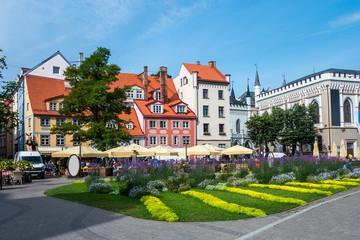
52,168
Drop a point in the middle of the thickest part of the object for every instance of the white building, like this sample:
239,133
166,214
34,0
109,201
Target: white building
206,91
335,92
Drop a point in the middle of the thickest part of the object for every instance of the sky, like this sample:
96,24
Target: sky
283,38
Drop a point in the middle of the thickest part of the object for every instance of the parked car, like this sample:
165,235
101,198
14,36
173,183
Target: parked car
35,158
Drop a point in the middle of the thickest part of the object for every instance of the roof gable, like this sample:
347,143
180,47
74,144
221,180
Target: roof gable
205,73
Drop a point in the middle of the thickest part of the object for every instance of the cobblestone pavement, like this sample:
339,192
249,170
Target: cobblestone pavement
26,213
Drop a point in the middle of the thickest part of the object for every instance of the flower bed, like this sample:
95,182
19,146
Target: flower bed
316,185
292,189
351,179
158,209
264,196
230,207
341,183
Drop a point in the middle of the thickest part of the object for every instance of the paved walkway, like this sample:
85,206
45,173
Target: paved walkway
25,213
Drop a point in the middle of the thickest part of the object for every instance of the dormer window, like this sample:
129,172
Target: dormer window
157,108
139,94
157,95
130,94
181,109
53,106
56,70
129,126
61,105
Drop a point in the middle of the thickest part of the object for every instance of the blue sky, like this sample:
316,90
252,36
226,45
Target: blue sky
283,37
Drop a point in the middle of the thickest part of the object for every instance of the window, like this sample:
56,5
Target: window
223,146
180,109
152,140
317,120
221,94
130,94
186,140
75,142
152,124
56,70
61,105
238,126
163,140
157,108
206,129
221,129
60,121
185,81
205,111
53,106
45,140
27,106
175,124
175,140
205,93
157,95
136,141
347,111
76,121
129,125
60,140
44,121
185,124
163,124
29,122
221,111
139,94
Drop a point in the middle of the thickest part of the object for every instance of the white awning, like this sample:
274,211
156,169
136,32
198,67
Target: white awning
45,150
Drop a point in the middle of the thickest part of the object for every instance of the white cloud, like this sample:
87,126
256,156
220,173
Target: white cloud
169,18
345,21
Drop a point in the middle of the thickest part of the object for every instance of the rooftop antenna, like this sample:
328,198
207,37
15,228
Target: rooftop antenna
313,69
256,66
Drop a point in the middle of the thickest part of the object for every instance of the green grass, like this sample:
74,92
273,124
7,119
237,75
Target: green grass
188,209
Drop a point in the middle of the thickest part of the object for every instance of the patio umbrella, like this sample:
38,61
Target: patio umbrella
237,150
86,152
316,150
212,147
334,152
141,151
164,151
200,150
122,151
342,149
357,153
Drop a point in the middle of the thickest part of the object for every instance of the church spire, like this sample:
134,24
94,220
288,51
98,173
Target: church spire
247,89
257,81
284,82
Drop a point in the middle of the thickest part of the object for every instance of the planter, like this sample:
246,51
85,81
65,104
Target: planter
104,172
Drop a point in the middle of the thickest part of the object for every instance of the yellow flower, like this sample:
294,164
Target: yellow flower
230,207
264,196
292,189
314,185
341,183
351,179
158,209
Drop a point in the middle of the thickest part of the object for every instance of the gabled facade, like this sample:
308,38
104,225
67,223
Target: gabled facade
162,117
206,90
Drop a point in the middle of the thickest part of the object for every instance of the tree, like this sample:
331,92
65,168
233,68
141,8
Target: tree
298,125
95,103
9,118
262,130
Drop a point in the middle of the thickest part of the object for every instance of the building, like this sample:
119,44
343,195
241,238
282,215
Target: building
206,91
336,94
157,112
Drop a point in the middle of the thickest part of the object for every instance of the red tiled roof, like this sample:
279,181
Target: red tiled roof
136,131
168,110
42,89
205,73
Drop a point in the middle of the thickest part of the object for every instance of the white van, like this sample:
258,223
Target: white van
35,158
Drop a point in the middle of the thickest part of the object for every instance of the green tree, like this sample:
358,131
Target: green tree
298,125
262,130
95,103
8,118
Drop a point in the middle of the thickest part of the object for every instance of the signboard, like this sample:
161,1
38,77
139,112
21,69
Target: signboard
73,165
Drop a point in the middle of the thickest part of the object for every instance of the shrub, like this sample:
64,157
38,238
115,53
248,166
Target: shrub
157,184
355,173
282,178
139,191
243,182
100,187
183,187
92,177
206,182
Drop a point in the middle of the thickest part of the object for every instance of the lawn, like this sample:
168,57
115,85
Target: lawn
187,208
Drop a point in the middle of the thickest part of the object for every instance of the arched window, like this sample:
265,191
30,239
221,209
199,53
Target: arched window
347,111
238,126
317,119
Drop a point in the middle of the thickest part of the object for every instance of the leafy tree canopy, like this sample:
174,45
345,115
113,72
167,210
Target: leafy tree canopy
8,118
94,103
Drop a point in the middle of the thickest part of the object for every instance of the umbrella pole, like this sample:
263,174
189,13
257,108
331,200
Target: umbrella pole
185,151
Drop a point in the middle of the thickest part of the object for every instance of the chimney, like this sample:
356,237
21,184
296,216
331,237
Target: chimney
163,84
145,83
212,64
197,62
227,77
81,58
